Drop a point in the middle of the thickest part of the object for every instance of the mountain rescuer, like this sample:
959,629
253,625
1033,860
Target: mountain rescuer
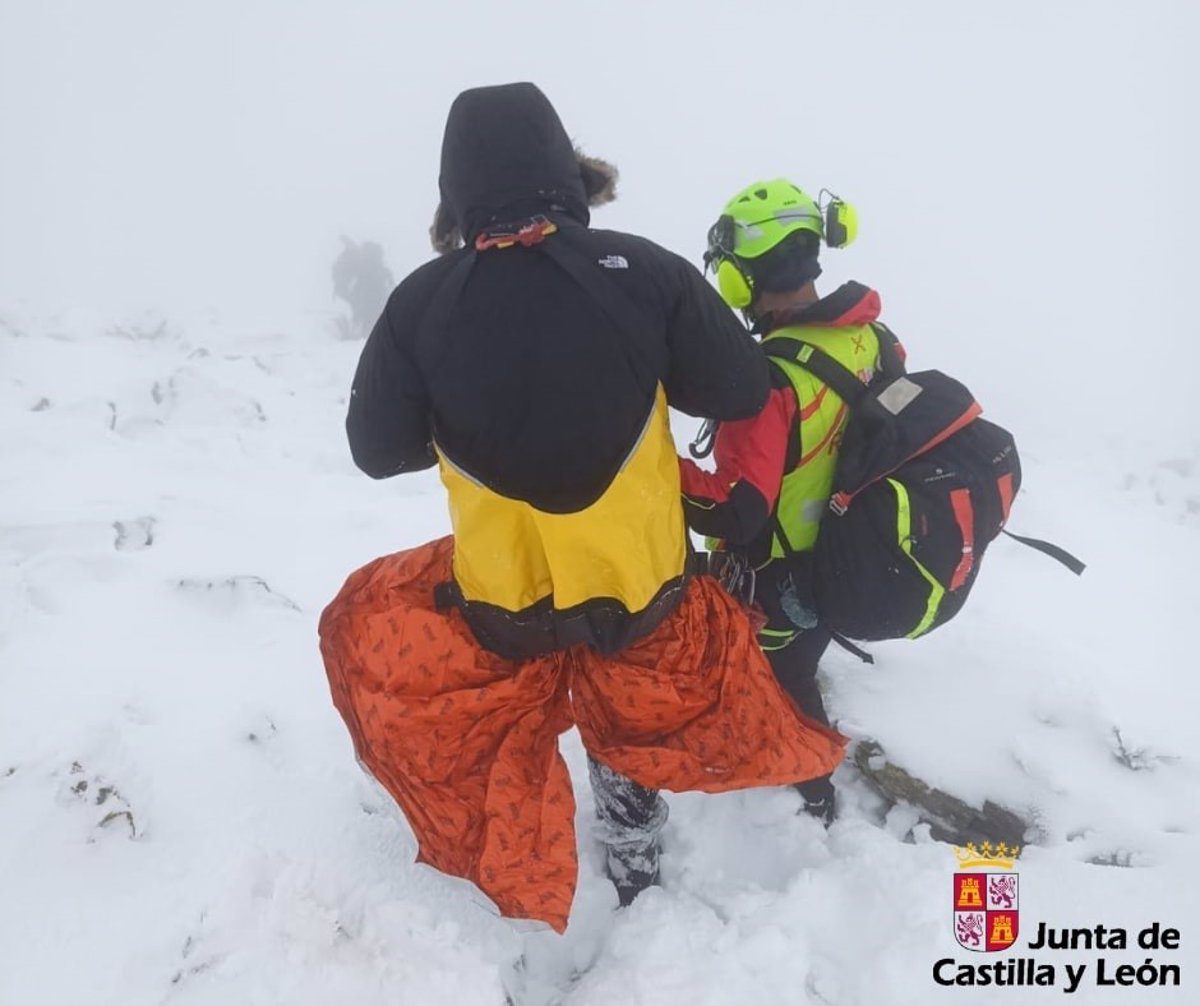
362,279
774,471
533,363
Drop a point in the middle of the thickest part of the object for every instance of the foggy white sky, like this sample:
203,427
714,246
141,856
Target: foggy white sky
1024,172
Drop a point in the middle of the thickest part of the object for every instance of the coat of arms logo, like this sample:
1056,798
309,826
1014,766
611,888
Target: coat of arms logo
986,906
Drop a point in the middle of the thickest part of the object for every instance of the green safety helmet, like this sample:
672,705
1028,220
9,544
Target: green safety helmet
758,218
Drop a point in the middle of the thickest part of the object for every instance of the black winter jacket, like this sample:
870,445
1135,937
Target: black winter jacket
525,382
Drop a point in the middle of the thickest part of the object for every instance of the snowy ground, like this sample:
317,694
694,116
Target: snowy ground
182,820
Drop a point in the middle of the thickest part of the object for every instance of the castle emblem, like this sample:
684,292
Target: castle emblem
986,905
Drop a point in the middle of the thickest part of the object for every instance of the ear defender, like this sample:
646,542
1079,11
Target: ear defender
841,222
734,285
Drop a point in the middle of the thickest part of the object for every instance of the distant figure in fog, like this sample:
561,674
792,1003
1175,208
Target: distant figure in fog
362,279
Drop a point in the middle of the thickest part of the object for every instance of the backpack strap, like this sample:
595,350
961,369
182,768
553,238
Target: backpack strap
849,647
828,371
1052,550
601,288
554,242
781,534
891,355
821,365
447,294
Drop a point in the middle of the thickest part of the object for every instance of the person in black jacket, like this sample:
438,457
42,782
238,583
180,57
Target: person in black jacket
534,361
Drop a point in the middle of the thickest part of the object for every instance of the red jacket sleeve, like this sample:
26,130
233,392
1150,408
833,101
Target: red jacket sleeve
736,501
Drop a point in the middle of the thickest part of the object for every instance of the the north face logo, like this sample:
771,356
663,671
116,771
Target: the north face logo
614,262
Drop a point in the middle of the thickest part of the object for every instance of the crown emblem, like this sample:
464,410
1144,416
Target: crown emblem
987,854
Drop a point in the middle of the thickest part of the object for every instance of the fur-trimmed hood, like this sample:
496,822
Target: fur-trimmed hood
505,153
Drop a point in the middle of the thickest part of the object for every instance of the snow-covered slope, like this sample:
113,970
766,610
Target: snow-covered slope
182,819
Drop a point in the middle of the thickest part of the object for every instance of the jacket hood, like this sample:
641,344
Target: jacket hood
505,153
851,303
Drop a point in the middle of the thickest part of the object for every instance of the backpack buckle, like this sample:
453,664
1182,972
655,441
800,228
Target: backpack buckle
839,503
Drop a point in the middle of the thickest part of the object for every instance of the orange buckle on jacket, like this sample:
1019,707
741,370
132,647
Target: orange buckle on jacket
526,233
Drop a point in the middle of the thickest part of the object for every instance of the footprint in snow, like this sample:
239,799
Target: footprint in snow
230,592
134,535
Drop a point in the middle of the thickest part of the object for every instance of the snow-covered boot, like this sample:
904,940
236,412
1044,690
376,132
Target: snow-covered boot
631,818
631,872
820,799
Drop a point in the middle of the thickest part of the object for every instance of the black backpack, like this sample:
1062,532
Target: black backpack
922,486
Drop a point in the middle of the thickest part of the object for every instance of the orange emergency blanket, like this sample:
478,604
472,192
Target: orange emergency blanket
467,741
